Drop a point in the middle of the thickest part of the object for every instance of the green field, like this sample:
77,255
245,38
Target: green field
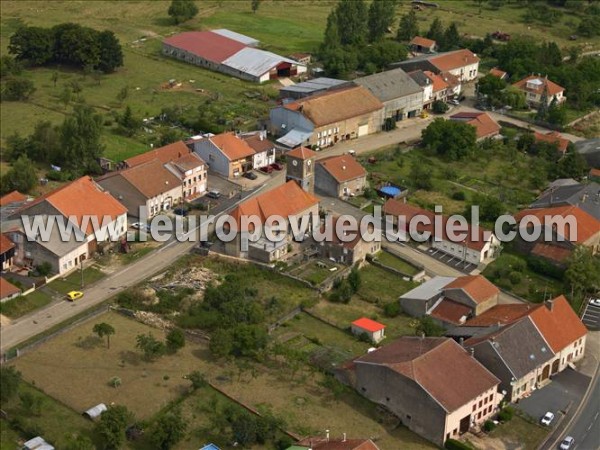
380,286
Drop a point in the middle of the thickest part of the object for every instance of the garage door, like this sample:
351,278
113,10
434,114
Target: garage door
363,130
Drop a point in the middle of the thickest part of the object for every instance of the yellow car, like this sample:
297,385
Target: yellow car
74,295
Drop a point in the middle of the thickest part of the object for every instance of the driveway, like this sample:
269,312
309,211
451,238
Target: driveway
591,317
565,391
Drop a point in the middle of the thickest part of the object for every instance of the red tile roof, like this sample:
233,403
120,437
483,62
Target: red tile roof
553,137
477,287
258,144
587,225
454,60
450,311
12,197
498,73
82,197
164,154
7,289
484,125
438,82
232,146
551,252
452,80
501,314
151,178
5,244
206,44
594,172
435,364
558,323
422,42
343,168
319,443
188,162
552,87
368,324
302,153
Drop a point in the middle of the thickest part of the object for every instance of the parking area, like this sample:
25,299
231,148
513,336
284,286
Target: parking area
591,316
566,388
452,261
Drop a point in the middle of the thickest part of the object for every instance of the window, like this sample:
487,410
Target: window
408,417
474,407
480,403
455,432
479,415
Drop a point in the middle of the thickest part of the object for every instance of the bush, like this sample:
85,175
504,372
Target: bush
515,277
459,195
392,309
439,107
488,426
453,444
44,269
506,414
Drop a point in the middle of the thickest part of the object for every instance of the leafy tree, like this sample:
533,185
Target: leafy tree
80,140
10,66
255,5
451,37
54,78
557,114
526,141
32,403
248,340
381,54
129,123
150,346
439,107
20,177
550,54
408,27
104,329
583,272
428,327
10,379
112,425
421,176
381,17
332,39
221,343
244,428
17,146
168,430
572,165
340,62
490,208
182,10
392,309
123,94
589,26
352,18
542,111
175,340
66,96
449,138
32,44
76,45
111,53
354,279
44,142
79,442
490,86
436,32
17,89
198,380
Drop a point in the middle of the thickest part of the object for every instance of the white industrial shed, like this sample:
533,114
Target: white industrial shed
96,411
260,64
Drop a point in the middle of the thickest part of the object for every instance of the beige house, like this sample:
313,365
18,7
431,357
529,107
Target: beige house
192,171
535,87
340,176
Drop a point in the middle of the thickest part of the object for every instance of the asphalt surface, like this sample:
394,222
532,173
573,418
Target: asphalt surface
586,430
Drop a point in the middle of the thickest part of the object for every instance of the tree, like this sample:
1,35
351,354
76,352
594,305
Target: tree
104,329
451,37
352,18
542,111
589,26
436,32
112,425
150,346
32,44
79,442
439,107
381,54
550,54
428,327
248,340
198,380
491,88
572,165
80,136
17,89
10,66
44,142
449,138
128,122
221,343
557,114
168,430
182,10
490,208
111,53
10,379
21,176
421,176
66,96
175,340
255,5
583,272
408,27
381,17
122,94
354,279
76,45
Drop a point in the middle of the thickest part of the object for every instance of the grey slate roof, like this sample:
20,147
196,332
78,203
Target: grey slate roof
590,150
429,289
420,78
584,196
315,85
389,85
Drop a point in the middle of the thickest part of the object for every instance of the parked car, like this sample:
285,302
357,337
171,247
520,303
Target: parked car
548,418
250,175
266,169
74,295
140,226
277,166
567,443
181,211
595,302
213,194
454,102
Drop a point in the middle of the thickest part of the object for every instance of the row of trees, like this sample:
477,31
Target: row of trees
69,44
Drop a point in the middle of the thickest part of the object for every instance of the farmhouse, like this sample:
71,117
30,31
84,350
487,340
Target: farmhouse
451,300
264,149
192,173
164,154
531,345
485,126
463,64
322,120
375,331
439,87
149,185
225,153
536,87
340,176
434,386
401,96
420,44
230,53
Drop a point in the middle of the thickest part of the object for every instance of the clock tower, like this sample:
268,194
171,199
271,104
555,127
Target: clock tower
301,167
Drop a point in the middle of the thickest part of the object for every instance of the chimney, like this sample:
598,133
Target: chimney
550,305
461,341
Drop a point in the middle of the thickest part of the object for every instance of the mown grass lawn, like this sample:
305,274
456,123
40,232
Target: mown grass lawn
380,286
520,432
72,282
396,262
20,306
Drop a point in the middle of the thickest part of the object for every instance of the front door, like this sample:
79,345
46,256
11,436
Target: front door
465,423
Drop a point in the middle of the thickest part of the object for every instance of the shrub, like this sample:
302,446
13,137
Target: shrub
44,269
488,426
439,107
515,277
506,414
458,195
392,309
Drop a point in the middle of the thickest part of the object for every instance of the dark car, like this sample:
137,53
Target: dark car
277,166
181,211
250,175
213,194
266,169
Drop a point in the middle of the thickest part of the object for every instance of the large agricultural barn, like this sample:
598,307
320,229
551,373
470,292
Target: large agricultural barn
230,53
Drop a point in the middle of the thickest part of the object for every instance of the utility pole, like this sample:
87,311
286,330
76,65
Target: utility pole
81,270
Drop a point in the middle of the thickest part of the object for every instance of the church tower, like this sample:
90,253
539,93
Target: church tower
301,167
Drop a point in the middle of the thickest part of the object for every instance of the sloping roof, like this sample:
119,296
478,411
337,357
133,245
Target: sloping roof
435,364
451,80
96,411
164,154
477,287
558,323
503,314
316,84
553,137
343,168
188,162
246,40
82,197
541,82
429,289
5,244
232,146
206,44
12,197
390,84
336,106
584,196
259,144
484,125
498,73
454,60
318,443
294,137
520,346
302,153
551,252
587,225
7,289
286,200
438,82
150,179
422,42
255,62
420,78
368,324
450,311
